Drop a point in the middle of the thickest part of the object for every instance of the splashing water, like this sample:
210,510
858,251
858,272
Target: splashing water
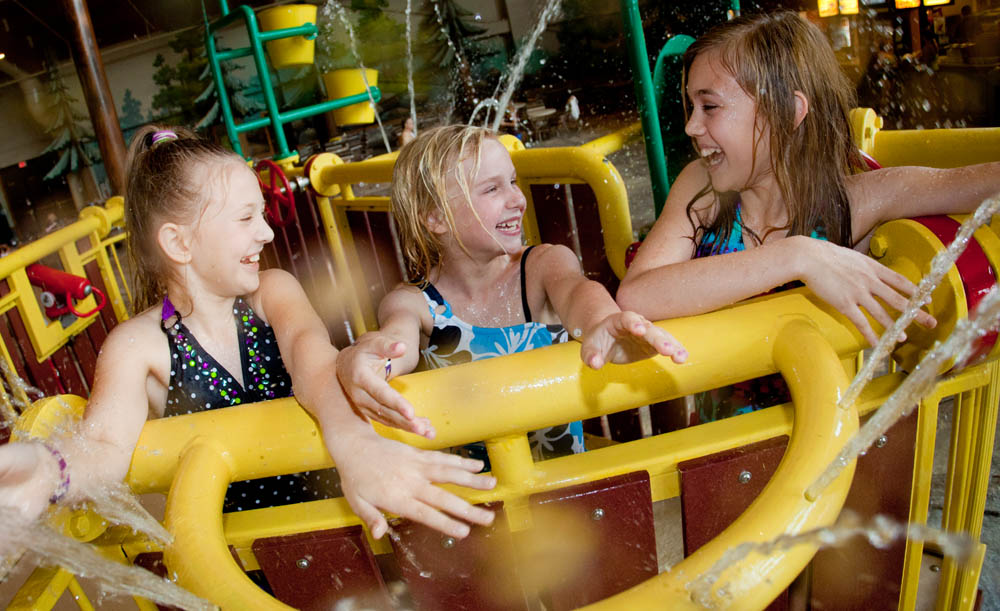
409,66
341,12
940,265
916,385
51,548
488,103
514,76
880,531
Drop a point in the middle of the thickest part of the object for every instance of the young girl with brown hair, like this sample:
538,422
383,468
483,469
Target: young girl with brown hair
774,198
477,292
214,331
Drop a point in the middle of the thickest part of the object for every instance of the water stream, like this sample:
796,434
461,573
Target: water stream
513,77
341,13
47,547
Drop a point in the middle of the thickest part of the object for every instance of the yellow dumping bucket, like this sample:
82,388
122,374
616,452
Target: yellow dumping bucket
293,51
346,82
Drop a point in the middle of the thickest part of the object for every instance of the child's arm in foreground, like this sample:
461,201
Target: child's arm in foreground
365,367
97,450
909,191
665,282
592,317
377,474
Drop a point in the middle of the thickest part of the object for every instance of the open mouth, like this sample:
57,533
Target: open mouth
510,227
712,156
251,259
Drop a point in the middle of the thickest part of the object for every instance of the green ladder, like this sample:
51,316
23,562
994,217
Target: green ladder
275,118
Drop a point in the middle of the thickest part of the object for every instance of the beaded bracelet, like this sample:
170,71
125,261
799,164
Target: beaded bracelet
63,486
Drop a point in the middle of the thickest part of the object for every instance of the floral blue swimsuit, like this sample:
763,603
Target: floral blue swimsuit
199,383
750,395
454,341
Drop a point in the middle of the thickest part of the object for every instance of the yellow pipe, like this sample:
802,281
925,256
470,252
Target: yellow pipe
194,517
816,380
615,141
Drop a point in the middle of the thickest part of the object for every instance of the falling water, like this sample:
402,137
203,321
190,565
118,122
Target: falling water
880,531
464,70
50,548
487,104
514,76
409,66
923,377
940,265
335,6
916,385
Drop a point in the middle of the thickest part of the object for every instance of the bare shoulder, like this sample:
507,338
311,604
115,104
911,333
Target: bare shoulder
136,347
546,259
403,298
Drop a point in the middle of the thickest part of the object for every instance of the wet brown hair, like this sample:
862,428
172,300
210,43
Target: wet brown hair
162,187
772,56
419,189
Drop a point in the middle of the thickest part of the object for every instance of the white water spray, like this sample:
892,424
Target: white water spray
548,13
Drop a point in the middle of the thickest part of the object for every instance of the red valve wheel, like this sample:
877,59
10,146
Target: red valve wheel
274,198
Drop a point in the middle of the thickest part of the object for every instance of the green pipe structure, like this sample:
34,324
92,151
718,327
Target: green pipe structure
635,40
650,91
274,117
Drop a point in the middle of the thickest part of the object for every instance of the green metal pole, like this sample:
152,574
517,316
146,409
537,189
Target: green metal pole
645,99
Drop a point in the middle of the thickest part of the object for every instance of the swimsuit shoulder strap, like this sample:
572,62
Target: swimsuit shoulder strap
524,292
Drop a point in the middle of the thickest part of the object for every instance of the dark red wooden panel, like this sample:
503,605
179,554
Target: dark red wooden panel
857,575
315,570
477,573
70,377
107,314
603,538
713,494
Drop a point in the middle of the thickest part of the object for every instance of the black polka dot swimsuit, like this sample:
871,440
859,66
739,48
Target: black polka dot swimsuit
198,383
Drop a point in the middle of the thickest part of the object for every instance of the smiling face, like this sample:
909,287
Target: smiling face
723,122
487,221
227,239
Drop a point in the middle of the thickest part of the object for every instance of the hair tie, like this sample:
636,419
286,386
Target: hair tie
164,135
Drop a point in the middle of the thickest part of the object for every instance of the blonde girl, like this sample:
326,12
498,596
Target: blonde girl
477,292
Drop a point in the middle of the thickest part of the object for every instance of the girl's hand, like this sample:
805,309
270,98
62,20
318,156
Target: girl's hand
625,337
849,281
26,483
381,475
364,370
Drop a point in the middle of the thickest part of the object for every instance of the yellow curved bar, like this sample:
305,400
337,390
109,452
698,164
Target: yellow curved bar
816,380
938,148
199,489
590,166
615,141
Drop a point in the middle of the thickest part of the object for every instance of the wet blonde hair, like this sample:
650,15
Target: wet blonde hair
771,56
420,189
161,187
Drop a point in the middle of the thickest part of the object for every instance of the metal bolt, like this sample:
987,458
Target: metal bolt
302,563
448,542
597,514
745,477
881,441
935,568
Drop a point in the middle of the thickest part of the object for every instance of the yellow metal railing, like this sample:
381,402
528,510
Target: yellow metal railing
777,333
47,336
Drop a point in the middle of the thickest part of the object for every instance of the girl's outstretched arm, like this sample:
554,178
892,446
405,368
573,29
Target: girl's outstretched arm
365,368
902,192
377,474
665,282
591,316
97,450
